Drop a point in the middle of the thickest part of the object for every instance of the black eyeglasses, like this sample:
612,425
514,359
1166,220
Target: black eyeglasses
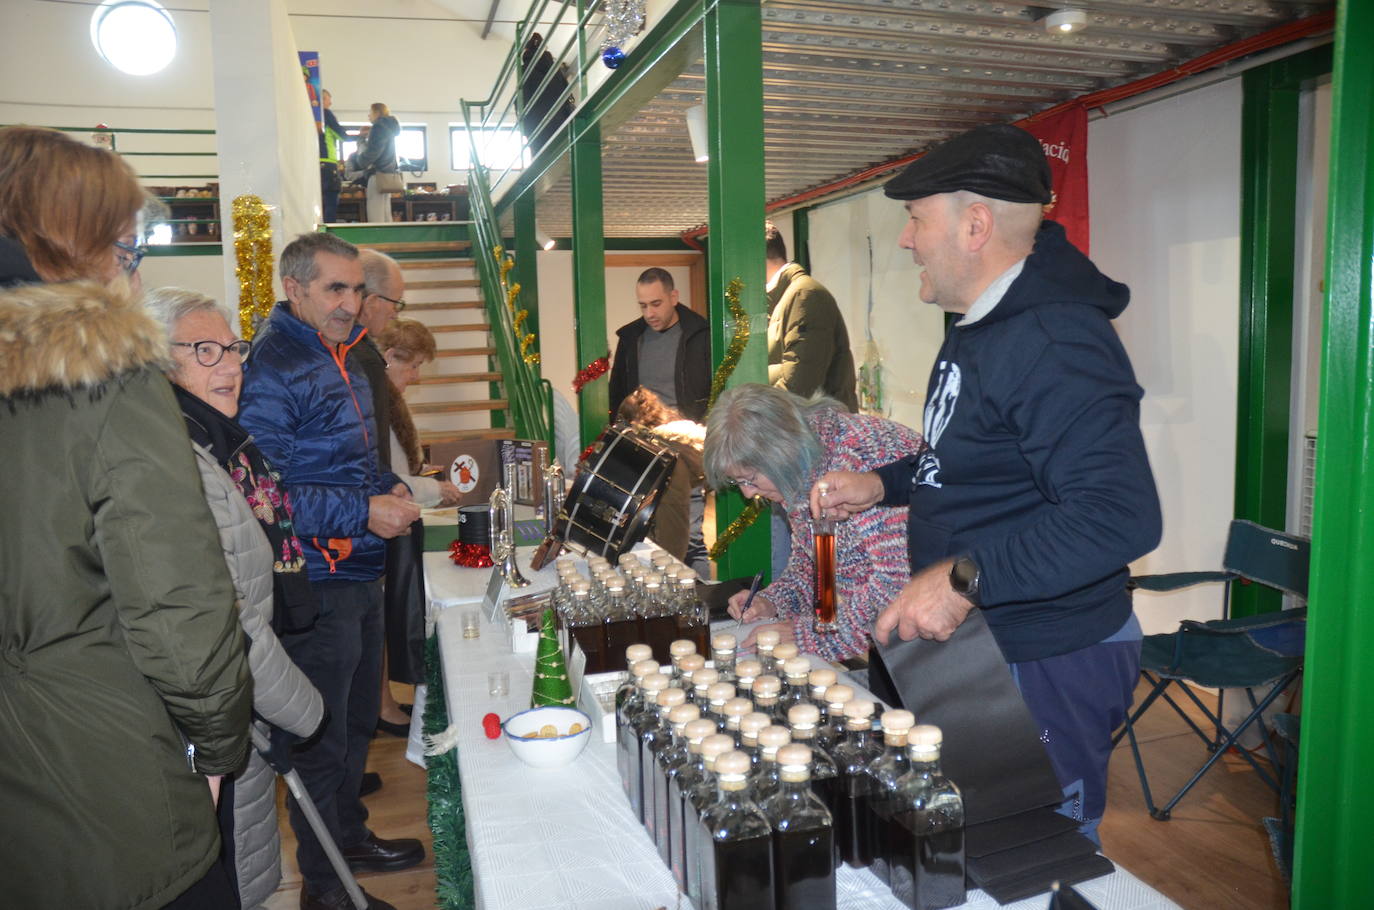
129,256
743,481
399,304
209,353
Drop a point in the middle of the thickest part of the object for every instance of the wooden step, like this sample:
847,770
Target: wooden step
409,264
455,327
465,327
465,352
429,437
445,283
447,305
445,378
456,407
412,246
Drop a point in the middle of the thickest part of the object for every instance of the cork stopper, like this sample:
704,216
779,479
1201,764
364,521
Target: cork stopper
691,663
635,653
615,584
681,714
653,580
671,697
723,642
643,668
715,744
838,696
925,737
748,669
786,651
732,764
697,730
767,687
768,639
795,668
803,716
654,682
771,738
822,678
704,679
719,693
582,588
898,721
736,709
682,647
686,580
794,762
858,714
750,724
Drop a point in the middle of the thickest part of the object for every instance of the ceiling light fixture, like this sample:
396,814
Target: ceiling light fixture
696,131
544,240
1064,21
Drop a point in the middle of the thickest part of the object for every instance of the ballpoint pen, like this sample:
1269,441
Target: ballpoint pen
753,589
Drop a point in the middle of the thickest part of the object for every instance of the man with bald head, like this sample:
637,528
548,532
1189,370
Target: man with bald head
1035,491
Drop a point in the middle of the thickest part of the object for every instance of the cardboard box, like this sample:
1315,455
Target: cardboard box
472,465
529,456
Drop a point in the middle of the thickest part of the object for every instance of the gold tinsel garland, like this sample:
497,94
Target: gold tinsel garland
738,342
512,291
253,261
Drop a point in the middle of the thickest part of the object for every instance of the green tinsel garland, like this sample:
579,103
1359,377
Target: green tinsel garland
452,864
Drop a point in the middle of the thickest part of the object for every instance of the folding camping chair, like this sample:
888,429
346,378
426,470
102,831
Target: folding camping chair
1247,653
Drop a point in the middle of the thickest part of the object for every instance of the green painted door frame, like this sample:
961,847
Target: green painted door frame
1270,135
733,36
801,237
1335,789
589,275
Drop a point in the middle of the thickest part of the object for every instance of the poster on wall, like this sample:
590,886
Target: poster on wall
310,70
1064,137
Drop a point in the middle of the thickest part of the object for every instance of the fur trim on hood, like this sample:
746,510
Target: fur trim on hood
687,432
74,336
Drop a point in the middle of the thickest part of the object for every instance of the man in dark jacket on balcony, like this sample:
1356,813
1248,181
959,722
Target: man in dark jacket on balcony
312,417
667,350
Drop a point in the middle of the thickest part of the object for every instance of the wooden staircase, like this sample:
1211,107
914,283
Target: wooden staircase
458,395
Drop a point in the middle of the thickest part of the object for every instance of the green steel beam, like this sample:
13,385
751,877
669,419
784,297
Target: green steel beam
526,270
1269,163
733,37
801,237
1335,789
589,274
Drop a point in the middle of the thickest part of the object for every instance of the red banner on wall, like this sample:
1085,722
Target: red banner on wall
1064,137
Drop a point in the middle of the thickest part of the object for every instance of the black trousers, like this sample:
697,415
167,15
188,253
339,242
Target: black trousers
342,656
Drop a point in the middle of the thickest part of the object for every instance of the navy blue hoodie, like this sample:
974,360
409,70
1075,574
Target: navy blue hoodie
1036,468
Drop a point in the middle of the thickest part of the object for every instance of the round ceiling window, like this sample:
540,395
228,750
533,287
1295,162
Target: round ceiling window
134,36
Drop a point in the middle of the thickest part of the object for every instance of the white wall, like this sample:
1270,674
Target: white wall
1164,181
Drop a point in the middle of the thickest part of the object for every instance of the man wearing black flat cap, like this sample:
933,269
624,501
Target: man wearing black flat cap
1035,492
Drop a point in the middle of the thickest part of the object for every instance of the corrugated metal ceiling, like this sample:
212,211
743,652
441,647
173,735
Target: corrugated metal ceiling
849,84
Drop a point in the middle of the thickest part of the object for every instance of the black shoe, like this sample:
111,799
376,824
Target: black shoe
372,782
378,855
407,710
386,726
338,899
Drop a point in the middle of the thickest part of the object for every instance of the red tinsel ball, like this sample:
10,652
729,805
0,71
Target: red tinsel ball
470,555
491,725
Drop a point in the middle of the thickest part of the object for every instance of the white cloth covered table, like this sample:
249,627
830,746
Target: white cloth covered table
565,838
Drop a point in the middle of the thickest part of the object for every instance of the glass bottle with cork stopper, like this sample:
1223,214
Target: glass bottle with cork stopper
823,530
692,619
735,838
641,723
824,775
803,836
718,694
652,742
628,707
686,666
619,623
749,727
679,649
884,772
796,692
771,739
830,731
700,795
689,776
858,749
766,692
670,763
660,625
735,710
723,646
819,680
746,671
702,681
928,833
765,642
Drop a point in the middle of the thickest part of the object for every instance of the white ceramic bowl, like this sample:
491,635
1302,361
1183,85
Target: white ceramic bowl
547,752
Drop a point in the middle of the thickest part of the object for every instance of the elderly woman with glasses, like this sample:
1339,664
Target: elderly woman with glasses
265,560
773,444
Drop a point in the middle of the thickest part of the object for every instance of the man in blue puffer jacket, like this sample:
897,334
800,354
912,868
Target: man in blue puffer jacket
312,417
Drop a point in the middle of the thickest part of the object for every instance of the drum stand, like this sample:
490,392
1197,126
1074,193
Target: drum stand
502,521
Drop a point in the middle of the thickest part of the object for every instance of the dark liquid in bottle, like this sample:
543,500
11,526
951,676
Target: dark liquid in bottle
879,823
928,870
620,635
852,823
592,640
803,875
659,634
825,578
827,790
677,837
735,874
627,758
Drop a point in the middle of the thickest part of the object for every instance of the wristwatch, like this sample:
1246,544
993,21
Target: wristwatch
964,578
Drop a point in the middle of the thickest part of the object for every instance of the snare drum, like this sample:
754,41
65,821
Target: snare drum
613,497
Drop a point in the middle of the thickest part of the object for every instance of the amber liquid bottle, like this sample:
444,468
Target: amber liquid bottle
830,731
803,837
824,531
690,775
696,799
734,860
858,749
928,836
653,742
641,723
629,701
880,804
825,778
671,761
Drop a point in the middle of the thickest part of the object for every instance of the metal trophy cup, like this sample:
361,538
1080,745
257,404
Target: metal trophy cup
502,519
